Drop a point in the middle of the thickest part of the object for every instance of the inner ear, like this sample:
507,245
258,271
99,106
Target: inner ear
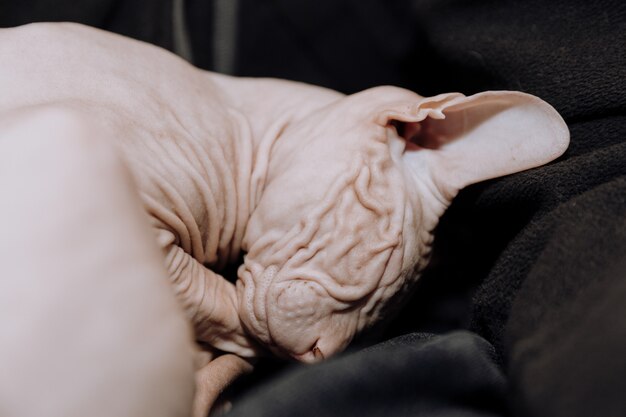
420,135
480,137
417,122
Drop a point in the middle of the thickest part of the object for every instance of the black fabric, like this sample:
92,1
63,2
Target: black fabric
330,43
413,375
199,24
147,20
532,266
568,320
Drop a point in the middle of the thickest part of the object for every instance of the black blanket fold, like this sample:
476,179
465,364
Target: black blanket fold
567,326
414,375
531,266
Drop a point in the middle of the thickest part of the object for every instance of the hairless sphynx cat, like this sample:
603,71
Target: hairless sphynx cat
125,171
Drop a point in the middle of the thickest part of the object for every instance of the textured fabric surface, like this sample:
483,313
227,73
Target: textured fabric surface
567,326
417,375
533,265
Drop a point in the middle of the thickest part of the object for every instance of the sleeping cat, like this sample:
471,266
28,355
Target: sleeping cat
333,199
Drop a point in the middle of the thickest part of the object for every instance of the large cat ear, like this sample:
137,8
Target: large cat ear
463,140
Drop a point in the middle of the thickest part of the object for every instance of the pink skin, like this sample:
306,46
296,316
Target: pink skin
345,220
333,198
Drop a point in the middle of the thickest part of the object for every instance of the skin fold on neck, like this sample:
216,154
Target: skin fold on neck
265,107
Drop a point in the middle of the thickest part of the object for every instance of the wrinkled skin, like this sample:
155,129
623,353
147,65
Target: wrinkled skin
333,199
345,221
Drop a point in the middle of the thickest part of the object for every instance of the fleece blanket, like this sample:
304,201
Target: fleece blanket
523,309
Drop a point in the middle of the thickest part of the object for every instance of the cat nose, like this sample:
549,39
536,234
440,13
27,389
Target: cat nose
312,356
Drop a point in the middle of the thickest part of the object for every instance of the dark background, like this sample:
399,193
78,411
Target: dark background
523,310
